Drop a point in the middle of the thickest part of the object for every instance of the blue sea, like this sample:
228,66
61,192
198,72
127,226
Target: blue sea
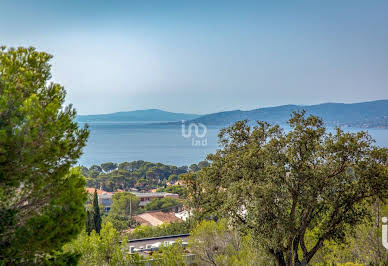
120,142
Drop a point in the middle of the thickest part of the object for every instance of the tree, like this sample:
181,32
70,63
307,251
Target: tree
84,170
165,229
176,189
96,213
215,243
209,240
363,246
173,178
164,204
203,164
124,204
279,187
89,221
140,174
194,168
107,167
39,143
102,249
171,255
95,168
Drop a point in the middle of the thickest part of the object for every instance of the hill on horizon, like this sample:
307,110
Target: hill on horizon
148,115
372,114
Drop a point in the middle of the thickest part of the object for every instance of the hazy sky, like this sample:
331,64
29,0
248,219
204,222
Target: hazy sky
202,57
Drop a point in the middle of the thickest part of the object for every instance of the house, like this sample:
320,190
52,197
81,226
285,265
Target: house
106,198
146,246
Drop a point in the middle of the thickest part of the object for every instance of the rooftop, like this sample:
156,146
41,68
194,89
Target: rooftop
99,191
156,218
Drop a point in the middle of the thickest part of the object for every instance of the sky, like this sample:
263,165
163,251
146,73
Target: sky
206,56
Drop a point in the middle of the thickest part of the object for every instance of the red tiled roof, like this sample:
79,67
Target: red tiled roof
141,220
156,218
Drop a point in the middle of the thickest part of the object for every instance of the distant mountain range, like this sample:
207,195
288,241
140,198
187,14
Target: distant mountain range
149,115
365,115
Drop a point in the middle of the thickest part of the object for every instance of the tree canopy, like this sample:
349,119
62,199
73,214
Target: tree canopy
176,189
137,174
41,201
107,167
280,186
120,212
215,243
106,248
164,204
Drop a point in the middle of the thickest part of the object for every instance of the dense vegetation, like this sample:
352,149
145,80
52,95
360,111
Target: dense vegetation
163,204
183,227
302,197
106,248
141,175
93,219
292,192
124,206
176,189
41,198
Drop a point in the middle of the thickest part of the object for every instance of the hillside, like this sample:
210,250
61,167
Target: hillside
365,114
149,115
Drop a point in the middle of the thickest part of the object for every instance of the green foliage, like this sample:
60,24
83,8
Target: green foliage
176,228
39,142
176,189
119,214
170,255
89,221
107,167
102,249
41,232
121,205
246,255
363,246
199,166
214,243
203,164
120,223
173,178
194,168
163,204
279,186
60,258
96,223
95,168
137,174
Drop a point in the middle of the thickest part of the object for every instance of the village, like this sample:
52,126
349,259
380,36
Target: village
153,217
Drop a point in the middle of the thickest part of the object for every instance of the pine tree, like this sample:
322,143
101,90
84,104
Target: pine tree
89,222
96,213
41,197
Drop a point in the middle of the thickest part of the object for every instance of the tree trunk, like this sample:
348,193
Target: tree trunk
279,258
